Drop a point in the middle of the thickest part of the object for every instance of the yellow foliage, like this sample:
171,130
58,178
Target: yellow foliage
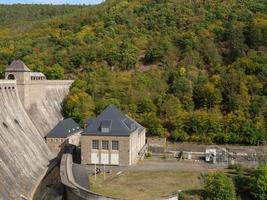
260,20
215,79
216,24
85,30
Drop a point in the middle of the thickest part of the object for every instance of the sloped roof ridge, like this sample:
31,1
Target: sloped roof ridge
18,65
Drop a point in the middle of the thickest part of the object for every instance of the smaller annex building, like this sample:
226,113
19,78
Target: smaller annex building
65,132
112,138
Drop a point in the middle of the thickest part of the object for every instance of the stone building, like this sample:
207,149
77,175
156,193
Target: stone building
112,139
65,132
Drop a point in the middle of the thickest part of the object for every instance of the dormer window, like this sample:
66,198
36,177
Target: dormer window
130,124
105,126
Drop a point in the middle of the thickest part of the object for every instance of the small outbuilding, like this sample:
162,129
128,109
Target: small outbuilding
112,138
65,132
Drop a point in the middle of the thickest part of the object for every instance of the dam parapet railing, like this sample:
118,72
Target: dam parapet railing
52,82
74,191
8,82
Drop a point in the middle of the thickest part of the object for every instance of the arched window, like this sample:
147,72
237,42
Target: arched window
11,77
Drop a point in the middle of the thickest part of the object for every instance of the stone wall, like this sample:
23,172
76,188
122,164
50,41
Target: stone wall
156,144
56,144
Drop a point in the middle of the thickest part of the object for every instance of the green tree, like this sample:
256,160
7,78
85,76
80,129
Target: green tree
258,184
55,72
153,124
219,187
146,105
207,96
79,105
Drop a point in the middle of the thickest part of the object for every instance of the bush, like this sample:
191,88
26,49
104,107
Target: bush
181,196
258,184
237,167
219,187
178,135
148,154
165,156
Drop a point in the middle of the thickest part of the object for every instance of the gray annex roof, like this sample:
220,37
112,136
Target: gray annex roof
64,129
37,74
112,122
17,66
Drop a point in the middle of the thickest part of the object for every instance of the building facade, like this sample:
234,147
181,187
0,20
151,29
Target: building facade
65,132
112,139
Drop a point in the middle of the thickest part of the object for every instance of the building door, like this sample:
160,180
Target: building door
114,159
104,158
94,158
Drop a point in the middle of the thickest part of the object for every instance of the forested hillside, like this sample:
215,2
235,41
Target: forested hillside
189,70
19,13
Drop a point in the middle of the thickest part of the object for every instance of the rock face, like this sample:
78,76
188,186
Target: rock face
24,154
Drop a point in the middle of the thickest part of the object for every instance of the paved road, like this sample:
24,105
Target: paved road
148,165
80,175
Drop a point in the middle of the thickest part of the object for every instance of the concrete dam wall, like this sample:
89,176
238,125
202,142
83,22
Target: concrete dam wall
44,103
30,106
24,154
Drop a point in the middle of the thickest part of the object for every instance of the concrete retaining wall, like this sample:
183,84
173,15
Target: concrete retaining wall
74,191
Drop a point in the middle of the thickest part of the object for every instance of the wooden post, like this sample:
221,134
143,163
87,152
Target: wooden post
95,171
104,172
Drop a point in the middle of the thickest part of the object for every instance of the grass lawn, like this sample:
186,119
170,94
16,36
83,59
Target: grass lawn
145,184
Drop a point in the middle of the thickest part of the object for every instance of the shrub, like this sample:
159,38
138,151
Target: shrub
165,156
258,184
148,154
219,187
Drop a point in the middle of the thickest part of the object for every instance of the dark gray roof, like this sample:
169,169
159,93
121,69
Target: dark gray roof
89,121
64,129
17,66
112,122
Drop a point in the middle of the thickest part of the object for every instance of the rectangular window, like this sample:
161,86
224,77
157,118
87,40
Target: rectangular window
105,144
95,144
115,145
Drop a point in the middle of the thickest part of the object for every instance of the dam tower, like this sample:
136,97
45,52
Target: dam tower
41,98
18,71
